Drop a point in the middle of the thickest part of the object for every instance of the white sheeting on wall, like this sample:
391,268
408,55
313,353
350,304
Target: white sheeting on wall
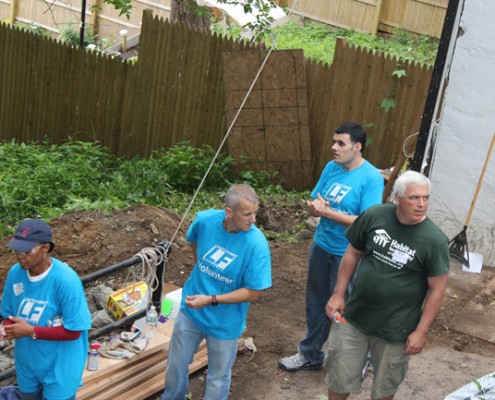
236,12
465,131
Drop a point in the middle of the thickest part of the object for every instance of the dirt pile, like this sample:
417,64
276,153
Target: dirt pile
93,240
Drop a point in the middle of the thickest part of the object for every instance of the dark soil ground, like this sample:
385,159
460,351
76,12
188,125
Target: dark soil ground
91,241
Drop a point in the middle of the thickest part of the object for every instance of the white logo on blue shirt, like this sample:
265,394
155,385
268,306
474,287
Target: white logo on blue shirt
219,257
31,310
336,193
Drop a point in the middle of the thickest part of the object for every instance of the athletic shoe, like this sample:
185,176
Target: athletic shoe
297,362
367,366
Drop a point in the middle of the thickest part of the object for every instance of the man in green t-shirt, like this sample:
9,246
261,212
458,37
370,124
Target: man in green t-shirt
403,262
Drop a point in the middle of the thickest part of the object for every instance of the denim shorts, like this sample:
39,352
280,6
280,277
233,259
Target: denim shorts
347,353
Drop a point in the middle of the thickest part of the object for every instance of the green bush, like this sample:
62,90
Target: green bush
45,180
318,42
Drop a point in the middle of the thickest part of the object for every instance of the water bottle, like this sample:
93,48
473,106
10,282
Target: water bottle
93,357
151,321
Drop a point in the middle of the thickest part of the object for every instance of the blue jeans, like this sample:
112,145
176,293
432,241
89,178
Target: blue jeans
184,343
323,269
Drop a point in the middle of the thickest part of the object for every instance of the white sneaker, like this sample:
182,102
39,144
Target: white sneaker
295,363
367,366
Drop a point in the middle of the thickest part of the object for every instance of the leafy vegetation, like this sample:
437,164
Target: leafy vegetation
68,34
318,41
44,180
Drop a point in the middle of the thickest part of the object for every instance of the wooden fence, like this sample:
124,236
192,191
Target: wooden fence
101,17
423,17
384,94
175,93
418,16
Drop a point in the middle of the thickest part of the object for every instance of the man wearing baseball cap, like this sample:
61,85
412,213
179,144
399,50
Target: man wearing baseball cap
45,310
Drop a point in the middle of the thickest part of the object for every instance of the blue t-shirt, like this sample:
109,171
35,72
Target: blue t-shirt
348,192
226,262
58,365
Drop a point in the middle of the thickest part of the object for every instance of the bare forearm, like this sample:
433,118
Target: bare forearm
238,296
340,218
347,270
431,308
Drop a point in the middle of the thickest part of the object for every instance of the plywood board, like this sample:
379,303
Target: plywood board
477,318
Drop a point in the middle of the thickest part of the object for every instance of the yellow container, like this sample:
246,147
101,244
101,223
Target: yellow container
129,300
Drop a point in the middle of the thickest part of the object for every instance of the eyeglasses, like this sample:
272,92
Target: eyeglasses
26,253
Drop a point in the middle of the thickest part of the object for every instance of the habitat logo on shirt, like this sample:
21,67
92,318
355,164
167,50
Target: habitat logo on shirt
382,238
219,257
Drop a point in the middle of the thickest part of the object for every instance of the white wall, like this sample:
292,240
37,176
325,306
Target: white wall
465,130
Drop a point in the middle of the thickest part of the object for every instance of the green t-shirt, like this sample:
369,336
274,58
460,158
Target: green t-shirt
388,294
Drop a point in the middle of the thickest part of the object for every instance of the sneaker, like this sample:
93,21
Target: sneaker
297,362
367,366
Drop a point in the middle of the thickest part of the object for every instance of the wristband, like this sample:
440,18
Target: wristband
214,301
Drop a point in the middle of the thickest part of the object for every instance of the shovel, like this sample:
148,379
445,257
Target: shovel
459,244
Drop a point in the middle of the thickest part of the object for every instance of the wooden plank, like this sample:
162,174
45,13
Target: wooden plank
467,320
113,376
157,343
122,385
157,382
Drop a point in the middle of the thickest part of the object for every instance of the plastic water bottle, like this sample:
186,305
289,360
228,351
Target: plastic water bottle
93,357
151,321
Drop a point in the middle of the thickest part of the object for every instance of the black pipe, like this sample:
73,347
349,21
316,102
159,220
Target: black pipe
433,91
83,23
107,271
96,333
156,297
7,374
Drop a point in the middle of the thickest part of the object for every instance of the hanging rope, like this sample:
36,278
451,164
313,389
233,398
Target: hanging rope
146,271
248,93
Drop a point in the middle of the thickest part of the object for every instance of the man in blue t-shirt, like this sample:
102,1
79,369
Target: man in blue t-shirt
232,266
347,186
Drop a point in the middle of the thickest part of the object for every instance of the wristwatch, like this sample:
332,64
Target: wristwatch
214,301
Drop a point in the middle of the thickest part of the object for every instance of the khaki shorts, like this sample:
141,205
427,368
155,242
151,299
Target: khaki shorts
346,356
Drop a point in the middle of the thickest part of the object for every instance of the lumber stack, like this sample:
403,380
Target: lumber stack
138,377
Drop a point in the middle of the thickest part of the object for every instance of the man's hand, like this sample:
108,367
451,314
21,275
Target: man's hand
317,206
198,301
335,303
415,343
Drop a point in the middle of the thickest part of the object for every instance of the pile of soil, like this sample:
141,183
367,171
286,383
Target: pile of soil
90,241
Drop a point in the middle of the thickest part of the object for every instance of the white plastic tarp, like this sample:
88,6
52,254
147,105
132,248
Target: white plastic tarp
482,389
236,12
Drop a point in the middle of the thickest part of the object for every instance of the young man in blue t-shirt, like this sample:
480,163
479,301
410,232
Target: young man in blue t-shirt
347,186
232,266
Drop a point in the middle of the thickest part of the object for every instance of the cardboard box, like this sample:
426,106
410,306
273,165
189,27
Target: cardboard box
129,300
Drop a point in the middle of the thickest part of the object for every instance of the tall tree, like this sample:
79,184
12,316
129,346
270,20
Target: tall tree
189,13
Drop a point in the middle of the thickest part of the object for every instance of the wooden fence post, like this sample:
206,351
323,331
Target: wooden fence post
376,17
95,9
13,9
